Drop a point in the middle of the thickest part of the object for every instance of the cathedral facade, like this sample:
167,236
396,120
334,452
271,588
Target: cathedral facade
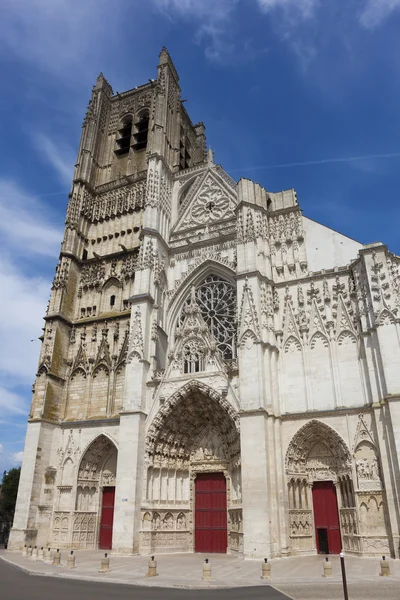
218,372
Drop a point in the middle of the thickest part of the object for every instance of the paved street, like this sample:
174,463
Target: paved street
16,585
297,578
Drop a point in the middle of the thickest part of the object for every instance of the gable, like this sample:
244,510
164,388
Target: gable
209,200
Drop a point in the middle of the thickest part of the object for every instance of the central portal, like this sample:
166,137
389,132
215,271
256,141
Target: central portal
210,513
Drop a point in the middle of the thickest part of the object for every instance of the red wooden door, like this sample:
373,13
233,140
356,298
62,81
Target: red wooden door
326,518
211,526
107,518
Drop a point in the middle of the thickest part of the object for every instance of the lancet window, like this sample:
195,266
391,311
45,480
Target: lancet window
193,357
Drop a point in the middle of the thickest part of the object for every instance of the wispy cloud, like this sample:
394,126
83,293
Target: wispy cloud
23,299
304,8
215,10
17,457
376,12
211,17
54,34
322,161
27,233
25,225
11,402
58,154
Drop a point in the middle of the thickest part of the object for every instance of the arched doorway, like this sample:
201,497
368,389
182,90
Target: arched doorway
193,480
320,490
95,494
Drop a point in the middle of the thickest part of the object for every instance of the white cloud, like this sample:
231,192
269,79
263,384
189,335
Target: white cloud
58,154
377,11
26,233
214,10
11,402
1,448
25,226
212,18
17,457
53,34
305,8
23,300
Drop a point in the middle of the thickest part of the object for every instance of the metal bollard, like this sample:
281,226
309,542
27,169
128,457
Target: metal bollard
105,564
34,553
152,570
327,568
48,557
57,558
206,569
25,550
71,560
265,569
41,553
29,551
385,568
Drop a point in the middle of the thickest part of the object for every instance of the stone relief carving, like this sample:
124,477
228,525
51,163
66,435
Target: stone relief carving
318,450
136,347
174,430
367,467
212,203
301,522
119,201
93,458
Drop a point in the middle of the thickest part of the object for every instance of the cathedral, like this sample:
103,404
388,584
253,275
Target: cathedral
218,372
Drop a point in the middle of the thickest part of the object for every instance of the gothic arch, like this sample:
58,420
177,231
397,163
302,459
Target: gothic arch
346,334
94,438
307,438
384,316
292,340
319,336
204,268
172,431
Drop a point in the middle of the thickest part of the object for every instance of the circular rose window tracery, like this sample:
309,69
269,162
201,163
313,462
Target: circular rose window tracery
216,299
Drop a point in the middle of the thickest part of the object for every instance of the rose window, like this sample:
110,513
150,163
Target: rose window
216,299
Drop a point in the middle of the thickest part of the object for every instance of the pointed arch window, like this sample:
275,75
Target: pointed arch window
141,132
216,298
123,141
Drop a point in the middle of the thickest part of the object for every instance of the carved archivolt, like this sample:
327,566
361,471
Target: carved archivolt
191,414
94,458
319,451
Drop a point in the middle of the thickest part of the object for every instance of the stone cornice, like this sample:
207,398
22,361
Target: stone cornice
137,298
89,423
104,317
94,260
313,414
314,276
251,412
134,411
155,234
255,273
220,239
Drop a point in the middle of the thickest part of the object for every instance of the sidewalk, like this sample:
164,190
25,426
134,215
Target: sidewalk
185,570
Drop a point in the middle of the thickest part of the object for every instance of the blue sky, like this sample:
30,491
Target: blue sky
292,93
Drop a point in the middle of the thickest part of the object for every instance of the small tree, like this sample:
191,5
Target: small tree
9,490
